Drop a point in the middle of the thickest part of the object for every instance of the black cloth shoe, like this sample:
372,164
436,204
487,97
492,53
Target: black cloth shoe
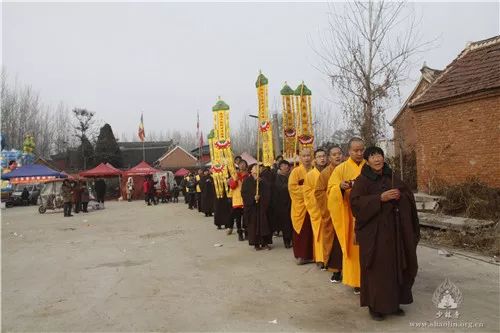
357,291
336,277
376,315
240,236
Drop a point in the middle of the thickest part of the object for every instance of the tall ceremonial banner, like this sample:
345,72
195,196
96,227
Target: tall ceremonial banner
264,122
222,162
304,116
289,127
216,166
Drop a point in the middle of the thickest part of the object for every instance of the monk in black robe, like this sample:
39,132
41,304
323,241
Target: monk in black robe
387,231
269,176
282,204
207,193
222,214
255,206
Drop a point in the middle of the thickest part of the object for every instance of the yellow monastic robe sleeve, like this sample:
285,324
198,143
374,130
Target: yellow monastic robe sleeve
343,220
320,193
310,201
337,206
295,188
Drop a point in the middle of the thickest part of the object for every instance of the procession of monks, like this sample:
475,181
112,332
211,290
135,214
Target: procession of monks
351,215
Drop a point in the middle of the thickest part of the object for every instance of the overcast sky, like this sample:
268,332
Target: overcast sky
169,60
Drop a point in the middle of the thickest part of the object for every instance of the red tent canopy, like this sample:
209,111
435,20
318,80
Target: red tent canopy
102,170
141,169
181,172
112,167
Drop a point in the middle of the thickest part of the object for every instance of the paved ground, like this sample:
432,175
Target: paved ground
136,268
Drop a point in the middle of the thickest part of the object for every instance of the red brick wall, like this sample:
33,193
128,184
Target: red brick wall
405,127
404,132
455,142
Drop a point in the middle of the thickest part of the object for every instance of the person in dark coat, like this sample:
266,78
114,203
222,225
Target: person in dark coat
85,196
267,175
67,196
175,193
223,209
152,190
282,204
77,197
191,191
207,193
387,231
255,207
183,189
25,197
100,190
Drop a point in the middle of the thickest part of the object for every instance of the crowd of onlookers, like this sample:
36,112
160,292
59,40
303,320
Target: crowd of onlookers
76,195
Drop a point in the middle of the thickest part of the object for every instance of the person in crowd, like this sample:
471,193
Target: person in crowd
235,183
312,206
301,221
152,190
67,196
25,196
255,207
191,190
282,203
184,189
163,189
146,189
100,190
130,188
339,187
198,190
331,246
85,196
175,193
207,193
388,231
77,196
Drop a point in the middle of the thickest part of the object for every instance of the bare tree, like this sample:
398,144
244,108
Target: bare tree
245,138
367,54
85,128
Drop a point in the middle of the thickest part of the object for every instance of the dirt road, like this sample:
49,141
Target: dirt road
136,268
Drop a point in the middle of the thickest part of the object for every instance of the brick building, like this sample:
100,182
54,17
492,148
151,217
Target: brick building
405,135
457,121
176,159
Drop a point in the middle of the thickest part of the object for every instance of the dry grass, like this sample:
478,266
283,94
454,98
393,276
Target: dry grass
471,199
485,241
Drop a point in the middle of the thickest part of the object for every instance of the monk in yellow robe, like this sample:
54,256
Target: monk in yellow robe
339,187
302,236
331,247
313,208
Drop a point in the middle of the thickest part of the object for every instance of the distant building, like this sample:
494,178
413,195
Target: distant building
456,120
132,152
405,135
205,153
175,159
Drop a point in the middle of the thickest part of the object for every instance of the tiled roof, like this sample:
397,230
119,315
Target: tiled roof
476,69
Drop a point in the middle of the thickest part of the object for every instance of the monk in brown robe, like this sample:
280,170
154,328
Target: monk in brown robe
331,245
387,231
255,207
